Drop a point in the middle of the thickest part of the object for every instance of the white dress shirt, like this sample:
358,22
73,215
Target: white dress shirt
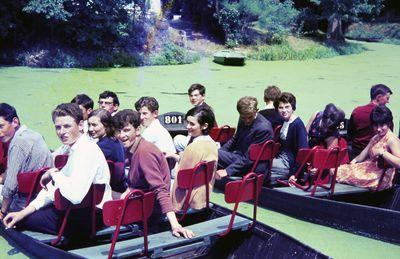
86,165
159,136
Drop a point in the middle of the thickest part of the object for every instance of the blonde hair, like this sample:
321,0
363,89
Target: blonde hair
247,104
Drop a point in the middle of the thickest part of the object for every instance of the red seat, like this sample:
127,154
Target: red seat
248,188
277,132
222,134
342,143
3,157
263,152
136,206
188,179
60,161
91,199
29,183
117,175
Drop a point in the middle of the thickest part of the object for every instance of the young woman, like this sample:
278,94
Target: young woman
102,130
366,169
201,147
293,136
322,127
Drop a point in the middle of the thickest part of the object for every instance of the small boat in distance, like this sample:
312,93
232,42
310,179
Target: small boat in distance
229,58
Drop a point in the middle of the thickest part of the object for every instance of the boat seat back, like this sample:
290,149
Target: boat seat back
29,183
277,132
60,161
241,191
222,134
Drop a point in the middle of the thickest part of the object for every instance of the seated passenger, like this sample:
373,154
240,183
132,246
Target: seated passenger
153,131
252,128
27,152
293,136
323,126
201,148
101,128
271,93
109,101
366,169
86,165
86,105
148,169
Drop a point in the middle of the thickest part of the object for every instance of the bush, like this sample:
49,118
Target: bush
172,54
40,57
384,32
285,51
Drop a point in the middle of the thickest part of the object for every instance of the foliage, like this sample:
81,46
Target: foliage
384,32
235,17
172,54
285,51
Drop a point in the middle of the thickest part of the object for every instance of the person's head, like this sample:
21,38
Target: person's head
85,104
109,101
380,94
199,121
247,108
148,110
100,124
331,118
68,122
9,122
127,126
381,119
286,105
197,94
271,93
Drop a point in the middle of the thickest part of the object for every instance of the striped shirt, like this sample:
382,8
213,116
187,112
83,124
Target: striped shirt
27,152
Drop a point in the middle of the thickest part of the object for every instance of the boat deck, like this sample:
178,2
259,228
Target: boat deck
340,189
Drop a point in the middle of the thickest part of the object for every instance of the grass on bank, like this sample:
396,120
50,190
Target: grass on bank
382,32
303,49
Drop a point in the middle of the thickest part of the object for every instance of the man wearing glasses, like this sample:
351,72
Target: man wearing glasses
109,101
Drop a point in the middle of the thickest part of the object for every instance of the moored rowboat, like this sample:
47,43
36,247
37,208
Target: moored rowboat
230,58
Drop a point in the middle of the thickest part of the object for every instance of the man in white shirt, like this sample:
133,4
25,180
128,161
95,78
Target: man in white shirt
86,166
153,131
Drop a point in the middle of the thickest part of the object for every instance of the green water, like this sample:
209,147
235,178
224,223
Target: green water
344,80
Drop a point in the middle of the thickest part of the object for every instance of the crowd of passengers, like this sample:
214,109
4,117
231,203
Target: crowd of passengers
137,139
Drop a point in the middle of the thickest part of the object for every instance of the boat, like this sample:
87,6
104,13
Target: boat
352,209
229,58
243,241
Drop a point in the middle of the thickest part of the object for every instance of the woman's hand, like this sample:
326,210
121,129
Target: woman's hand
179,231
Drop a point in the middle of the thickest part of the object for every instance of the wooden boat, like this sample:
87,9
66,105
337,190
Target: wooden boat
229,58
352,209
242,241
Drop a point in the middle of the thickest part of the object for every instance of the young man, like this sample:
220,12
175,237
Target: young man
86,105
86,166
360,130
148,169
271,93
197,95
109,101
153,131
27,152
233,157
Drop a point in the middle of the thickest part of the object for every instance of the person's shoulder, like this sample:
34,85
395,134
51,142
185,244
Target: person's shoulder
262,122
149,147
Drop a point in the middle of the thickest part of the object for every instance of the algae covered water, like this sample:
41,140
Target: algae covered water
343,80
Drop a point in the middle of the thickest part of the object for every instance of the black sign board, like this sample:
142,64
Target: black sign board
174,122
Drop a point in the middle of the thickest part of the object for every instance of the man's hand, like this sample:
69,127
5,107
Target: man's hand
46,177
219,174
12,218
179,231
292,179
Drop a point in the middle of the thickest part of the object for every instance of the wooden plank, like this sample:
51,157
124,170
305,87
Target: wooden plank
161,241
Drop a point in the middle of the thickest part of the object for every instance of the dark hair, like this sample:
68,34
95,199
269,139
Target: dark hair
203,115
125,117
84,100
8,112
68,109
286,98
105,119
271,93
379,89
147,101
331,118
193,87
107,94
381,115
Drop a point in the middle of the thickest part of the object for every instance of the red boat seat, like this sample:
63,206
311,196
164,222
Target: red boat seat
222,134
248,188
60,161
277,132
263,152
188,179
29,183
136,206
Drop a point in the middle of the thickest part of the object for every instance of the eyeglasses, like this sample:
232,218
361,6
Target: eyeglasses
106,103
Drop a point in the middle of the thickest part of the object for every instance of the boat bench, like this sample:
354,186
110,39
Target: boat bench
340,189
128,230
165,244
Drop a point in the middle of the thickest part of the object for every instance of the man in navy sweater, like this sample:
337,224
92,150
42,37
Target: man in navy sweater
233,157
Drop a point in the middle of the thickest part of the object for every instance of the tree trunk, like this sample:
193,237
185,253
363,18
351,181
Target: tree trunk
335,32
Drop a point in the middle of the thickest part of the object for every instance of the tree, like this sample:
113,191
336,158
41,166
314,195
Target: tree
338,11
